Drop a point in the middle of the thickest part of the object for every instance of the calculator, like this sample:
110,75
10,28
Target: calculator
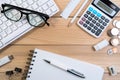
97,17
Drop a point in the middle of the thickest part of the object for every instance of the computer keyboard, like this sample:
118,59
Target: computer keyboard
10,30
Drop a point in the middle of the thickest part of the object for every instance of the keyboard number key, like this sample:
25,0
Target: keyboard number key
53,9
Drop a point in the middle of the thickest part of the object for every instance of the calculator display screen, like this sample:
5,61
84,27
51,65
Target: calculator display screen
105,7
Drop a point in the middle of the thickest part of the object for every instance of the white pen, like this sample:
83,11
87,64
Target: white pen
73,19
63,67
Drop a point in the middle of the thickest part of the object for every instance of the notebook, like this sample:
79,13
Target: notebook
40,70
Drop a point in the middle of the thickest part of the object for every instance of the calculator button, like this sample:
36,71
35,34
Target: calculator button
99,15
102,17
81,22
100,20
91,24
89,18
98,24
98,32
85,25
96,18
93,31
104,24
102,27
94,12
94,21
83,19
92,15
106,20
85,15
90,9
89,28
88,12
95,27
87,22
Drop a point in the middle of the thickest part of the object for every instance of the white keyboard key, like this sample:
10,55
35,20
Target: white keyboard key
45,7
1,22
19,24
53,8
30,2
13,27
0,30
8,23
50,3
3,34
25,5
48,12
3,18
3,26
1,44
0,37
18,2
41,2
35,6
8,31
40,10
16,34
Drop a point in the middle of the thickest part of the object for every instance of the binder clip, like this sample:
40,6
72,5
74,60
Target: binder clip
112,70
9,74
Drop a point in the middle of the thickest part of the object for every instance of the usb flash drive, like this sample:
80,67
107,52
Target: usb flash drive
5,60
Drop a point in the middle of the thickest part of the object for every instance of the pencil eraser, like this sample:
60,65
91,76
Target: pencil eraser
101,45
112,70
5,60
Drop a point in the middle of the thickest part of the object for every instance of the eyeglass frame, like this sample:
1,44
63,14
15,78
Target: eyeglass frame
45,17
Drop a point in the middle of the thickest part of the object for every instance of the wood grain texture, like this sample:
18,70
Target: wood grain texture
68,41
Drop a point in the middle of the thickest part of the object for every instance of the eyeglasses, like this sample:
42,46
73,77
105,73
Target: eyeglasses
15,13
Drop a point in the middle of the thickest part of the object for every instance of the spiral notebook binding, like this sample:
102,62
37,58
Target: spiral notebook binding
29,64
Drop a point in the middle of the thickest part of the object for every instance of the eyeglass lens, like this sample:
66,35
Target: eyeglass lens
15,15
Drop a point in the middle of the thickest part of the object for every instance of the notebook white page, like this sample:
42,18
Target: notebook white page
44,71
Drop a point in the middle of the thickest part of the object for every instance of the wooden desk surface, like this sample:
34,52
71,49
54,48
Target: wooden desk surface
68,41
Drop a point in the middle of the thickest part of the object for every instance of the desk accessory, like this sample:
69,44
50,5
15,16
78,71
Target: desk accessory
10,30
101,45
97,17
6,60
65,68
40,70
69,8
112,70
73,19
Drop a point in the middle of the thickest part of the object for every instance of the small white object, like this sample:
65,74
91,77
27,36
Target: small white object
112,70
5,60
79,11
114,22
115,31
118,24
101,45
69,8
115,41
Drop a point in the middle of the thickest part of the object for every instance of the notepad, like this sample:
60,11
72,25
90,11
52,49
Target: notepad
40,70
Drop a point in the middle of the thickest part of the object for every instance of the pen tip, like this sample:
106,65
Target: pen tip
46,61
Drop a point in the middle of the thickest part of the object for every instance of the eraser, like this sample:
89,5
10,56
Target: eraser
112,70
5,60
101,45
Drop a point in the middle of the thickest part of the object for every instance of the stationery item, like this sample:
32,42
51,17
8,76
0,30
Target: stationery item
63,67
10,30
97,17
73,19
101,45
112,70
69,8
6,60
40,70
